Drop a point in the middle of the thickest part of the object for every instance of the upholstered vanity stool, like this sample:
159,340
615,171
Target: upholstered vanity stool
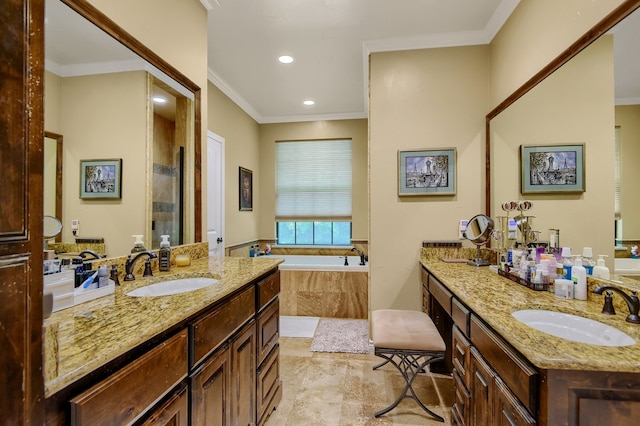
410,341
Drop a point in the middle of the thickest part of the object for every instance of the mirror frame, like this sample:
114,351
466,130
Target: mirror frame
608,22
103,22
58,138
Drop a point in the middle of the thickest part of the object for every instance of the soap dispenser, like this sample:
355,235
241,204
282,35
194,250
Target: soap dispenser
165,254
600,270
138,245
587,260
579,278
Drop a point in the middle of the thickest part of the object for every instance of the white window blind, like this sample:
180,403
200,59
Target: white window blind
313,180
618,171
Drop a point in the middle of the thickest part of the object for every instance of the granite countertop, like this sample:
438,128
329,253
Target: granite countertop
493,298
80,339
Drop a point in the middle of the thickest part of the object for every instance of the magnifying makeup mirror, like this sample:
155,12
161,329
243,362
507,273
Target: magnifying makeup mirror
52,227
478,231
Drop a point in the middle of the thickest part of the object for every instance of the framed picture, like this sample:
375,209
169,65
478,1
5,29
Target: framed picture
101,179
246,189
427,172
552,168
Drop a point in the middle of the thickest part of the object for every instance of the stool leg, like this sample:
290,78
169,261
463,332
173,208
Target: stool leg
409,366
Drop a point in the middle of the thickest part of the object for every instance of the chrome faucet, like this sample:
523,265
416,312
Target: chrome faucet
128,266
84,253
363,258
632,301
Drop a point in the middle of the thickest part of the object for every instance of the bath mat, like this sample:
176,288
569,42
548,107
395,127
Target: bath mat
298,326
341,335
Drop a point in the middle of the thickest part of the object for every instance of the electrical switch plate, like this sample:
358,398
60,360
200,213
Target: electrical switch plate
513,230
461,228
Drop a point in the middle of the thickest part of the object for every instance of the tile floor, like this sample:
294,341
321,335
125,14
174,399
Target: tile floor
338,389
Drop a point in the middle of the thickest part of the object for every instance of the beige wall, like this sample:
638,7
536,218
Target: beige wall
628,118
574,105
242,149
105,117
356,130
536,33
177,32
421,99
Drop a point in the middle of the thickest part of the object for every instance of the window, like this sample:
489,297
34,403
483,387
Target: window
313,192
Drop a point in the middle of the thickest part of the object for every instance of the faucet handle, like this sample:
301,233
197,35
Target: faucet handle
608,308
147,268
114,274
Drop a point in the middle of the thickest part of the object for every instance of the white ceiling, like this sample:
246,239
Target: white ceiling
330,41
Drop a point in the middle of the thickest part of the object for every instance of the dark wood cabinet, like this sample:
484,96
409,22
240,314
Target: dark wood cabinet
481,385
211,391
243,376
507,410
21,211
174,412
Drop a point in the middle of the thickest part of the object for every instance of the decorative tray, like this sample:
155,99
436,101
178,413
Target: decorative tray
524,282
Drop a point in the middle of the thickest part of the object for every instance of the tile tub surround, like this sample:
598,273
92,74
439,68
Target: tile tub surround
89,335
494,298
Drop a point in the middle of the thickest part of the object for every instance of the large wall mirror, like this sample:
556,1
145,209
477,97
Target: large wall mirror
111,98
589,95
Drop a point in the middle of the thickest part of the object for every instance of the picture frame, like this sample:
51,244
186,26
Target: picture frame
546,169
427,172
246,189
101,179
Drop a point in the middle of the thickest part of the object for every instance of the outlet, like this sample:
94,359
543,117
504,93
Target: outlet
461,228
75,227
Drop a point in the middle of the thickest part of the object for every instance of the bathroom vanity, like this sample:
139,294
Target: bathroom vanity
204,357
505,372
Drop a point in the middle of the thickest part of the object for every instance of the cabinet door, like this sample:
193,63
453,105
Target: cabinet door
508,410
481,388
211,391
461,402
175,412
243,376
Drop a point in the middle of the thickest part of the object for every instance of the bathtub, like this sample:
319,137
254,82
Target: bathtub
627,266
321,286
321,263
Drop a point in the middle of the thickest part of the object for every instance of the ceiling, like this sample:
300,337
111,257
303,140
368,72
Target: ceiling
330,41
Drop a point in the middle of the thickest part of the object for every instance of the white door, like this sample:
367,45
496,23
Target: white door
215,194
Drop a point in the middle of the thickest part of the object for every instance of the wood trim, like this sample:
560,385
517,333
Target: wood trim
608,22
99,19
59,188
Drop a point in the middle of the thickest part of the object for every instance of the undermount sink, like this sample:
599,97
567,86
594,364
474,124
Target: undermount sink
167,288
573,327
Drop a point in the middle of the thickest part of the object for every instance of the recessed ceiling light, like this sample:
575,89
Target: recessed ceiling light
309,102
159,99
285,59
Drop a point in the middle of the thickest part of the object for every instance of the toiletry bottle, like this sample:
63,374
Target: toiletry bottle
579,278
600,270
252,251
567,263
79,270
138,246
103,276
164,254
587,260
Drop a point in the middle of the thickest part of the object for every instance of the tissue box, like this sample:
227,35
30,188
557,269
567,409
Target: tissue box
61,286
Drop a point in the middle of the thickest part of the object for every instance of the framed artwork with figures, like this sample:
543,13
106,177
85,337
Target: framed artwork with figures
427,172
101,179
246,189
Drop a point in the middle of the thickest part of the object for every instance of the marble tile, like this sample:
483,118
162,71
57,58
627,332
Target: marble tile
343,389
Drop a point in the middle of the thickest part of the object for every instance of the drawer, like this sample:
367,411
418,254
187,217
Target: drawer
460,315
460,355
269,385
517,373
268,288
214,328
440,293
268,329
119,399
462,400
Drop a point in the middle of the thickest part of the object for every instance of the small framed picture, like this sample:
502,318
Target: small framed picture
246,189
427,172
101,179
552,168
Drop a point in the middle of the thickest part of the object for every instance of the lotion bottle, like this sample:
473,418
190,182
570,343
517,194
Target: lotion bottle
579,278
164,254
600,270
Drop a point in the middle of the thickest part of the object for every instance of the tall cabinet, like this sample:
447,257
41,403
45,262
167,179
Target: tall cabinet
21,214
